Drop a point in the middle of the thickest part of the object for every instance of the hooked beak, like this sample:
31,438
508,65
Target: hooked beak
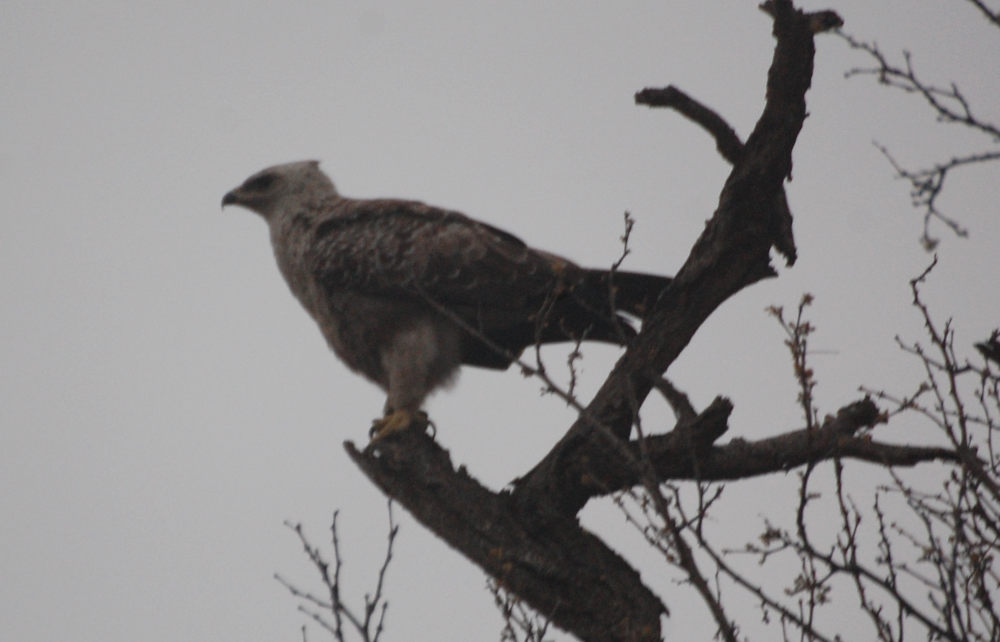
230,198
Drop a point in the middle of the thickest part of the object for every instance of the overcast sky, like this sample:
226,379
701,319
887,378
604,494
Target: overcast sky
166,404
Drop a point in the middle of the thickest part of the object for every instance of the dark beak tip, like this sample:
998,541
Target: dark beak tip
229,199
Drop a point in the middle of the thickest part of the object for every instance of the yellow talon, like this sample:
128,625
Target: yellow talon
397,421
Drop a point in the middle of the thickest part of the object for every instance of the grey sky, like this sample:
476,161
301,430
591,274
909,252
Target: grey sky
166,404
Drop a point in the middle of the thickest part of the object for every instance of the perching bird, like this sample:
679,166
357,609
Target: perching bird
405,293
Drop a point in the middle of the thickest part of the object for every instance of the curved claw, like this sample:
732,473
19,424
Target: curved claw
398,421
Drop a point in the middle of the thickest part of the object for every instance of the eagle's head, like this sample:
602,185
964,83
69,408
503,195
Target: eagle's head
275,188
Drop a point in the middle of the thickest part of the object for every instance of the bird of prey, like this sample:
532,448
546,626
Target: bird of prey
406,293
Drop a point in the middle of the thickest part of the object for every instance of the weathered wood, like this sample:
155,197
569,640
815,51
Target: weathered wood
549,561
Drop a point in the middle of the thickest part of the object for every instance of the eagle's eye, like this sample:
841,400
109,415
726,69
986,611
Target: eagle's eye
260,183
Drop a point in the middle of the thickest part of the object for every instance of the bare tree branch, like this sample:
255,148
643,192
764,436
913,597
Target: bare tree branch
368,627
537,559
949,105
993,15
732,253
726,140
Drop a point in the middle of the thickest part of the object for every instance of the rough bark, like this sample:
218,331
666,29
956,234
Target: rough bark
563,571
732,253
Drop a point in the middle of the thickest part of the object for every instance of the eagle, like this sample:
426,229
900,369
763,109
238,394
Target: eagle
406,293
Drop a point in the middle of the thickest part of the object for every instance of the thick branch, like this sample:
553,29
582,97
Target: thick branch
726,140
730,147
732,253
686,453
557,567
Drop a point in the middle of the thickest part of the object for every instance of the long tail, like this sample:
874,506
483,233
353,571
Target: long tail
630,292
593,310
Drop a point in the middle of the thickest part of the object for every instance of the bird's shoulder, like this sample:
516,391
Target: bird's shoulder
396,220
384,244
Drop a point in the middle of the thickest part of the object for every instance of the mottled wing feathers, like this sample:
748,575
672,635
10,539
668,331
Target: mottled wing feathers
406,248
486,279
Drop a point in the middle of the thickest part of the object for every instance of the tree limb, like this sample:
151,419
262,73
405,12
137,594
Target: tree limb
676,456
556,566
726,140
732,253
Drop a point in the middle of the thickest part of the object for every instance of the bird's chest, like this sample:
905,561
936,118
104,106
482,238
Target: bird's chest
354,324
292,253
